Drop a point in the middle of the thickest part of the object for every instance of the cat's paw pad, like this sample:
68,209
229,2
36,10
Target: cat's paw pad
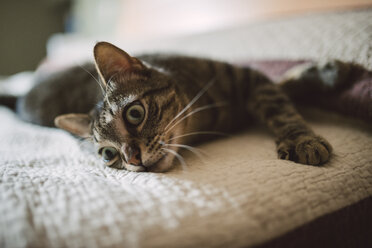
313,150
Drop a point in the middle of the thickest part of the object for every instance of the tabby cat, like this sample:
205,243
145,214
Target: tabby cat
145,109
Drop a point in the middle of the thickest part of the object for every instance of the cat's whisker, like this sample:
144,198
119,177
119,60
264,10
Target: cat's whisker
108,102
201,92
215,105
198,152
178,156
98,105
196,133
114,75
95,79
87,138
107,85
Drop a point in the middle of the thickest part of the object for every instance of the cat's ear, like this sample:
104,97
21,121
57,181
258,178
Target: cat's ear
110,60
78,124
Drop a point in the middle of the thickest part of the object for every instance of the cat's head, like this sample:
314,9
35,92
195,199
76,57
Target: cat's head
130,125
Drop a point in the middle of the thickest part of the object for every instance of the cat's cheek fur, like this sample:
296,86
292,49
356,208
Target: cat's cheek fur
167,162
164,164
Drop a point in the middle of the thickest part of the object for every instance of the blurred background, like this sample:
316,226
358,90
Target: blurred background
29,30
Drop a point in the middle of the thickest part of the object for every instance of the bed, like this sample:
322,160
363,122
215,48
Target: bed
55,192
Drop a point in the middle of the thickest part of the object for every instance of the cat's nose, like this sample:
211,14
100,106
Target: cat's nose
132,155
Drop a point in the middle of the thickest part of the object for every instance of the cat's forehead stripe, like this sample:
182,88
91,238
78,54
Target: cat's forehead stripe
118,102
154,91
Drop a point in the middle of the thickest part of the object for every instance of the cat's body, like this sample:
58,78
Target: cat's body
152,106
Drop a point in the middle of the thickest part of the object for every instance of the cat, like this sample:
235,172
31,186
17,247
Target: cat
145,109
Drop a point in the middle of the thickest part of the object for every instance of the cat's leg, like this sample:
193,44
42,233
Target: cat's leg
314,78
295,139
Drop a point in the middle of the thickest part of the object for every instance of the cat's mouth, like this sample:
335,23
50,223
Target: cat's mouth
160,160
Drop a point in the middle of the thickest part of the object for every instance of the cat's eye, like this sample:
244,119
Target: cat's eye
109,154
135,114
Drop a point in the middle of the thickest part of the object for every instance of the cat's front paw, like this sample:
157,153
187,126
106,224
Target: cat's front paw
309,149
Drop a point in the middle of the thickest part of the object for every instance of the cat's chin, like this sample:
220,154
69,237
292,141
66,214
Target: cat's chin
162,165
135,168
